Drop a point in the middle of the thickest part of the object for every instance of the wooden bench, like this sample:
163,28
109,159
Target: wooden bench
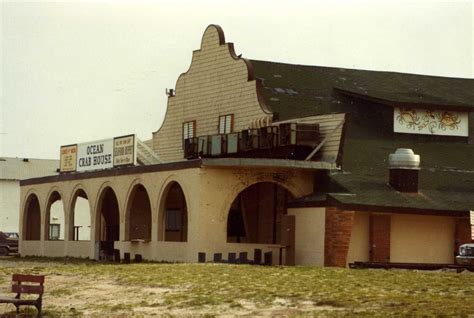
34,286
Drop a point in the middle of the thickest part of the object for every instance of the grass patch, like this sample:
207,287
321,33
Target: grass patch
58,292
216,288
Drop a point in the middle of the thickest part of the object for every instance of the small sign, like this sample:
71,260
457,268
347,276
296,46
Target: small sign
430,122
472,217
68,158
124,151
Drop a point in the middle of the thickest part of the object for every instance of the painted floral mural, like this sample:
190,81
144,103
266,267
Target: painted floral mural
423,121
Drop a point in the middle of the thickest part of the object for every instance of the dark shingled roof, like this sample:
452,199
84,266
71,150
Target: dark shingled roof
361,191
447,174
300,90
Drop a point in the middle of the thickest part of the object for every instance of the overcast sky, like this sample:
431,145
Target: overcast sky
82,71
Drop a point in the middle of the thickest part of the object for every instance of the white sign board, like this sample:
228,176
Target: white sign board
125,151
101,154
68,158
430,122
472,224
95,155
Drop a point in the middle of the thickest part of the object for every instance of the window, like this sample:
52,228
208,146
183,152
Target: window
189,129
54,230
225,124
76,232
173,219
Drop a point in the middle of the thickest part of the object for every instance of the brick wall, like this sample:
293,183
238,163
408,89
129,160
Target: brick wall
380,238
338,236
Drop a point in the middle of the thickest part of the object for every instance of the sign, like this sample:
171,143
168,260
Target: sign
68,158
430,122
95,155
472,225
125,151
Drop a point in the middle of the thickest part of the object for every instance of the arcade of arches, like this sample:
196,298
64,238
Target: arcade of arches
139,220
54,225
139,215
32,222
162,216
80,218
108,222
175,215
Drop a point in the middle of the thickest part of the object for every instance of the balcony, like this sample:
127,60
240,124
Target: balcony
293,141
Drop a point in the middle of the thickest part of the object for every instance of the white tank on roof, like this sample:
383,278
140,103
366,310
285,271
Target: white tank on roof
404,158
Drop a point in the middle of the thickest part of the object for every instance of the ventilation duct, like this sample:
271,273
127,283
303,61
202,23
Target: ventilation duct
404,169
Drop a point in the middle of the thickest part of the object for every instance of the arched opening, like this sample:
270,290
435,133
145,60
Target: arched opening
107,223
32,221
139,215
54,220
80,220
255,215
174,215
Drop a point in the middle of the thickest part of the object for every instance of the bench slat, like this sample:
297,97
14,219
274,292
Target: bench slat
28,278
18,301
27,289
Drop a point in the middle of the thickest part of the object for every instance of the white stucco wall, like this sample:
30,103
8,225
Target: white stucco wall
9,205
413,239
309,235
209,194
422,239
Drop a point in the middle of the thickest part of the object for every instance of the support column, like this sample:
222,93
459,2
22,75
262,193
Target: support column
338,236
288,238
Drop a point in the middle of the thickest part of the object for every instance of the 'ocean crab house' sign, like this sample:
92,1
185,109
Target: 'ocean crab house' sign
97,155
430,122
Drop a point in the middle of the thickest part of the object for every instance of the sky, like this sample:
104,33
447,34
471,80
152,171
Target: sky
81,71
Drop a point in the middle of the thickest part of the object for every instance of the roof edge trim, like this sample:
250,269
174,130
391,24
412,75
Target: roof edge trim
393,103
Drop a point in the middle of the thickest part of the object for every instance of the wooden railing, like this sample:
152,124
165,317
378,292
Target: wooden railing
289,141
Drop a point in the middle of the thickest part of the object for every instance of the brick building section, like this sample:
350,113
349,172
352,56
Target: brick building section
380,238
462,233
337,236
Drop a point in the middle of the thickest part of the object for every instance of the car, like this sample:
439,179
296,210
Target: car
8,244
12,235
466,254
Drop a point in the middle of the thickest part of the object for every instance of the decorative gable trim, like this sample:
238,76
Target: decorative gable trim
217,81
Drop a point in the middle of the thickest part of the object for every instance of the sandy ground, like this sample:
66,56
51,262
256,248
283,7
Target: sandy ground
89,296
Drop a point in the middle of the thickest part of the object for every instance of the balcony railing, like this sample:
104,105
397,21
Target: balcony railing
285,141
